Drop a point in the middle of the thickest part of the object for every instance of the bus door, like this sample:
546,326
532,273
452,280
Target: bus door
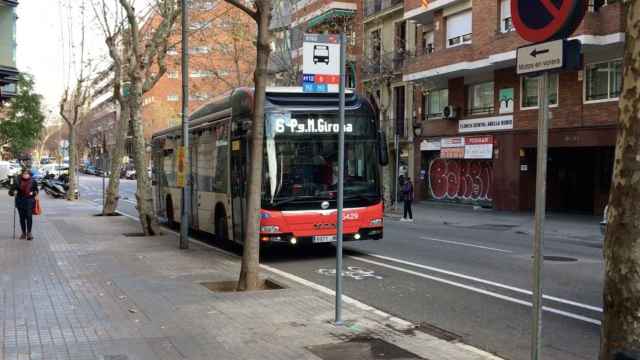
193,162
238,185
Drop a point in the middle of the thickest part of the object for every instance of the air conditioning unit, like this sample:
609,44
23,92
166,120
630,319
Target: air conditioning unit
449,112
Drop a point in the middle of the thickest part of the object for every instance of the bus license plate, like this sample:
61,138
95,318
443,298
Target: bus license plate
324,239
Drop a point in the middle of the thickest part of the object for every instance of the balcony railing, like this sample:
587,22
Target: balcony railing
383,65
375,6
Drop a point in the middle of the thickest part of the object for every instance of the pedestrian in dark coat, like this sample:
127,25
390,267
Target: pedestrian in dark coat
25,189
407,195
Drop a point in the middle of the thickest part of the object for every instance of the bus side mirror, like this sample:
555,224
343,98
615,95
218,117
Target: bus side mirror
383,151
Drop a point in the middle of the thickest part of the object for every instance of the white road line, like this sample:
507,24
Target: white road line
466,244
129,201
480,291
487,282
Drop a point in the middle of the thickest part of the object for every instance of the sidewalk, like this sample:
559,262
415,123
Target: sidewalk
83,290
583,227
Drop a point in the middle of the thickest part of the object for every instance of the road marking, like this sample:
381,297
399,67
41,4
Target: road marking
480,291
487,282
466,244
129,201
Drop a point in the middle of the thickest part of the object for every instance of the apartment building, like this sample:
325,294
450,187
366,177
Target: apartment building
8,70
475,119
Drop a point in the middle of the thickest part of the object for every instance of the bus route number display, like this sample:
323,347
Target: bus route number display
309,126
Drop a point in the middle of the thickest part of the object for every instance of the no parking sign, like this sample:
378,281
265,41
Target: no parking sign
542,20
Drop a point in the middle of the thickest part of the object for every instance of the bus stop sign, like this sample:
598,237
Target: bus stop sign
542,20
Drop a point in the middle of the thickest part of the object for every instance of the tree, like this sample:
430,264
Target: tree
260,12
621,318
46,134
380,69
138,49
24,119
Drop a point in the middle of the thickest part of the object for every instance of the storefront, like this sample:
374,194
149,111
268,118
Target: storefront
457,169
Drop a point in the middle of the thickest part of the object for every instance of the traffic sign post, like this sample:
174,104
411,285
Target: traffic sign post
323,70
546,23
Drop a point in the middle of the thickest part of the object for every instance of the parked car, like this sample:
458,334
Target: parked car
90,170
130,174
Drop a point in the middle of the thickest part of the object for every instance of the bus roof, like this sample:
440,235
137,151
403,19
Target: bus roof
239,101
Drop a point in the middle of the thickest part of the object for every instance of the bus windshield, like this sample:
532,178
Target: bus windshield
301,159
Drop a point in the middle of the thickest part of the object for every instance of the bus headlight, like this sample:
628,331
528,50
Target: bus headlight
270,229
375,222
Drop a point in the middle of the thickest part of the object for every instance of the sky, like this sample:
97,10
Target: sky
43,34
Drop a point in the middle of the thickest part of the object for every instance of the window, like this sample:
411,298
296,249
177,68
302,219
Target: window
459,29
428,43
198,96
172,74
529,98
199,25
481,98
506,24
199,50
200,73
434,103
603,81
376,46
202,5
172,51
173,97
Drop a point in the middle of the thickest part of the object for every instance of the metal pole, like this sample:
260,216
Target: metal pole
340,204
104,167
186,190
541,185
396,174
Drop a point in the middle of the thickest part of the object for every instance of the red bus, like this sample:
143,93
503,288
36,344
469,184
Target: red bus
300,168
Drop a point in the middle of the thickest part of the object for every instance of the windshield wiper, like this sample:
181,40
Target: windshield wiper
286,200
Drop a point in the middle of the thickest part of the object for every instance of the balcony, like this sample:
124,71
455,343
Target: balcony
382,66
373,7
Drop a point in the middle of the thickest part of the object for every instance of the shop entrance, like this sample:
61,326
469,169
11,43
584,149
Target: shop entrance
578,179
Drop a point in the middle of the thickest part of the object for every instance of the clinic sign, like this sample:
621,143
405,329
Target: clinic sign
321,63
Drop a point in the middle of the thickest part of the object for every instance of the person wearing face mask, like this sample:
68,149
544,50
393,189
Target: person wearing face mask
25,189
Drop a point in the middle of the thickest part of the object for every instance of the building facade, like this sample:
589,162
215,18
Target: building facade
476,120
8,68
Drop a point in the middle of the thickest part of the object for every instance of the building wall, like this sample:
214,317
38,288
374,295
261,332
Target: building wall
7,36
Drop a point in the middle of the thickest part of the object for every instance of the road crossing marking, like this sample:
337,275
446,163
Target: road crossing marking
487,282
466,244
479,290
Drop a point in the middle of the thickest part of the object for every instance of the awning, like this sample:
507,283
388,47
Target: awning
330,15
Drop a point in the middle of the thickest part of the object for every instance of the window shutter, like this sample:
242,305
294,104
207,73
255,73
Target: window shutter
459,24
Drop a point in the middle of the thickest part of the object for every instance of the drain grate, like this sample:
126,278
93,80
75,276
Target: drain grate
559,258
362,349
438,332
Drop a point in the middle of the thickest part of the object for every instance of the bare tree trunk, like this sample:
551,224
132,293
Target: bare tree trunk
147,216
388,170
249,279
73,163
113,190
621,317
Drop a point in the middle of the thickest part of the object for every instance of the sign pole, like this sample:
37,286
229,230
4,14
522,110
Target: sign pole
186,189
340,203
541,188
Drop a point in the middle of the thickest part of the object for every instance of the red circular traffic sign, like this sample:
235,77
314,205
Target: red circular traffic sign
542,20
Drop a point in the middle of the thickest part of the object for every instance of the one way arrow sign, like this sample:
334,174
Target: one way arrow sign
537,52
540,57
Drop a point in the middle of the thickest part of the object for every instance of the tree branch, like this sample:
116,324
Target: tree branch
252,13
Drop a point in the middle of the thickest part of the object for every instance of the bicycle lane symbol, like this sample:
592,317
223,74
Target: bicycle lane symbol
354,272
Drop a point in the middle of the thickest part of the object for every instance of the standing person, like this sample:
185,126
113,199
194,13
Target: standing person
25,189
407,195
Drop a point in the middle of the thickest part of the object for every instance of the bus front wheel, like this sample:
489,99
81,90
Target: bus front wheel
221,227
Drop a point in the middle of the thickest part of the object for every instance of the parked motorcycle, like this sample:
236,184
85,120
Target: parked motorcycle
57,188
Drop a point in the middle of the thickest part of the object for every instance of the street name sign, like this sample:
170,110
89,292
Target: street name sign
540,57
321,63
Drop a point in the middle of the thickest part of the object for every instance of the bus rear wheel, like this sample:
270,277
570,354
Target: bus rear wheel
171,222
221,228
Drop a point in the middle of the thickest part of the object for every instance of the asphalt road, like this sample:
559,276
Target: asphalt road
472,281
